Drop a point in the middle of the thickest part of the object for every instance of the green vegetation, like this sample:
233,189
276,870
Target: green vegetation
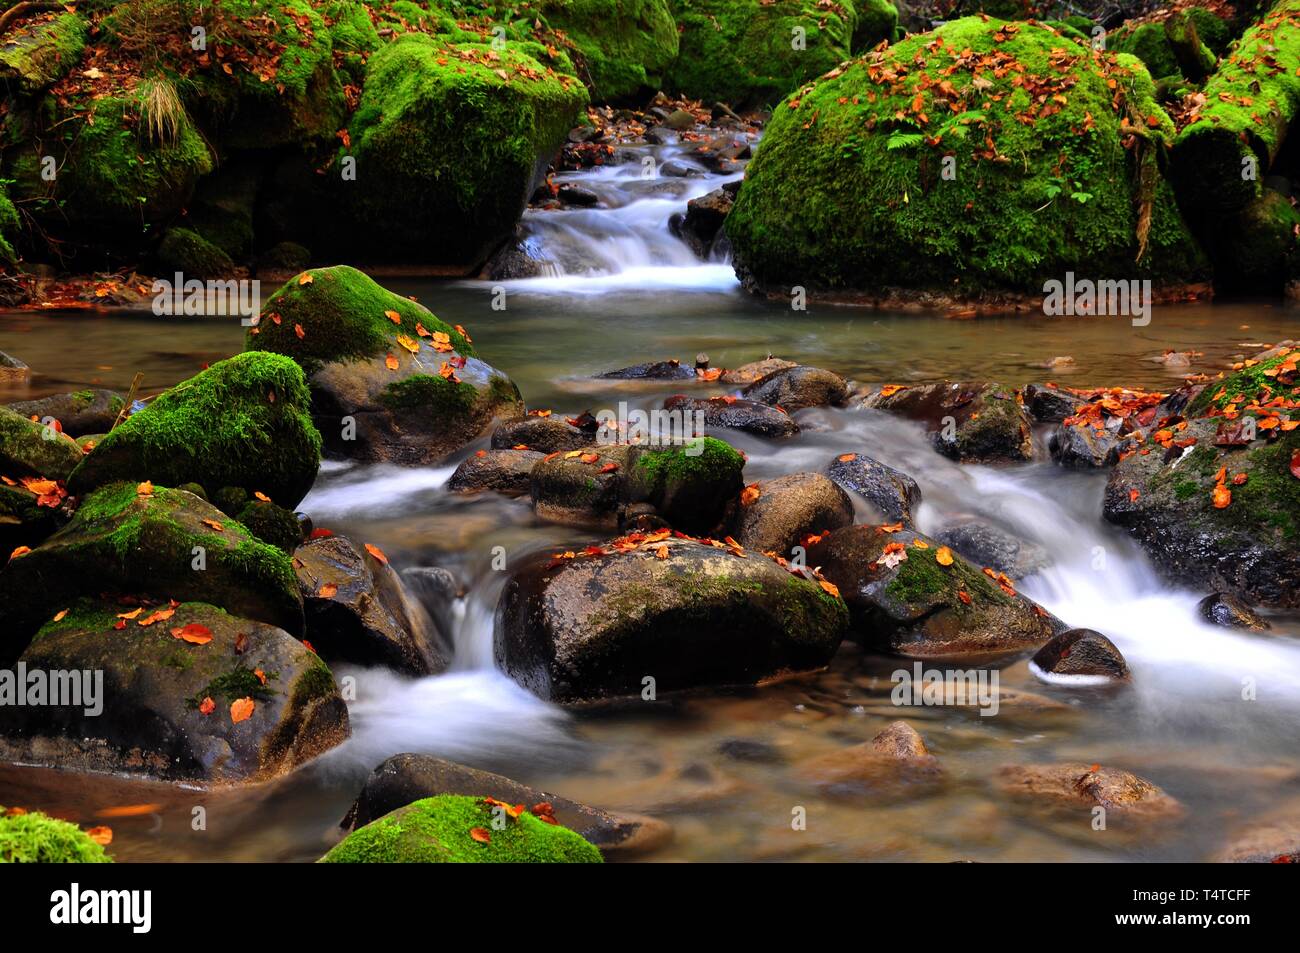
623,47
437,830
31,837
848,188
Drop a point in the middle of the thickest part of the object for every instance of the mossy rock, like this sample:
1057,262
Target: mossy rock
272,524
83,412
682,612
743,52
116,180
877,20
1255,251
38,53
242,422
693,485
30,448
8,228
1165,496
437,830
30,837
284,257
623,47
23,521
345,316
389,380
153,719
1148,42
185,251
449,140
921,608
988,421
844,196
167,544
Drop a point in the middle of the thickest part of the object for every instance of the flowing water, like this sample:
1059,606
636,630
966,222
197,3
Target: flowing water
622,290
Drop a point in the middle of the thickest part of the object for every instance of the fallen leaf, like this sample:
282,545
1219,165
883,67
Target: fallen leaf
60,615
1133,496
589,457
144,489
213,524
305,278
327,591
1239,479
130,615
889,390
103,836
377,553
661,552
1295,464
207,706
241,710
943,556
297,329
480,834
393,316
847,457
1221,496
391,361
194,633
259,495
964,596
830,587
20,551
158,615
609,467
750,494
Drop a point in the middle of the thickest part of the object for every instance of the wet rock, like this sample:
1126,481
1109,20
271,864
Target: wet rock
750,750
514,261
684,613
28,448
455,829
1083,446
891,491
503,471
795,388
437,398
284,258
987,545
654,371
693,485
12,370
543,434
787,509
437,590
1050,405
242,422
679,119
1222,608
24,521
270,523
1080,656
1073,787
755,370
1273,841
736,414
577,196
679,170
902,599
405,778
703,221
966,421
1238,535
85,412
153,695
359,612
120,541
894,763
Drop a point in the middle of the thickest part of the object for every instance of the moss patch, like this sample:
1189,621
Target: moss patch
36,838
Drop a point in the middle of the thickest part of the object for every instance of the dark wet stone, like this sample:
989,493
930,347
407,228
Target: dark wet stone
655,370
502,471
1081,652
788,509
1050,405
987,545
736,414
750,750
968,421
84,412
891,491
543,434
1225,609
795,388
1083,446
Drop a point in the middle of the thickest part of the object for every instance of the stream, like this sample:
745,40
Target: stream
620,290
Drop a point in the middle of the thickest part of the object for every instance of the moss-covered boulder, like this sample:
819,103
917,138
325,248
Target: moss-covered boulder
31,837
266,521
752,53
359,611
40,51
622,48
877,21
390,381
8,231
449,141
27,517
242,422
684,613
693,485
910,596
1222,155
32,448
1213,506
186,251
972,421
90,411
141,541
456,829
983,155
198,696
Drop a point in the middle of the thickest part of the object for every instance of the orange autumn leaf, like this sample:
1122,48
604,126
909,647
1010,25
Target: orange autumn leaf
463,333
60,615
159,615
144,489
1221,496
41,487
964,596
213,524
890,528
391,361
393,316
241,710
1239,479
327,591
1221,475
377,553
409,343
1133,496
20,551
609,467
130,615
662,551
261,675
194,633
481,834
589,457
305,278
889,390
750,494
830,587
297,329
207,706
101,835
129,810
1295,464
259,495
943,556
847,457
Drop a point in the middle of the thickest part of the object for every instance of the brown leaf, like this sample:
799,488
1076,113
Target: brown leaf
481,834
241,710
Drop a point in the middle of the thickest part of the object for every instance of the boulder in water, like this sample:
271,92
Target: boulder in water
777,515
1225,609
891,491
1079,656
735,414
544,434
970,422
90,411
986,545
29,448
796,388
1071,788
893,764
503,471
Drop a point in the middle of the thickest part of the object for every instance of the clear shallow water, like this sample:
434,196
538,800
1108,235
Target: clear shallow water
1182,723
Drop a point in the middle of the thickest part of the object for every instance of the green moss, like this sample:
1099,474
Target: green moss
438,395
272,524
1148,42
622,47
1186,489
1244,387
448,139
847,189
236,683
316,681
8,227
675,465
27,448
877,20
243,422
437,830
743,51
36,838
920,579
808,612
192,255
36,55
344,316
